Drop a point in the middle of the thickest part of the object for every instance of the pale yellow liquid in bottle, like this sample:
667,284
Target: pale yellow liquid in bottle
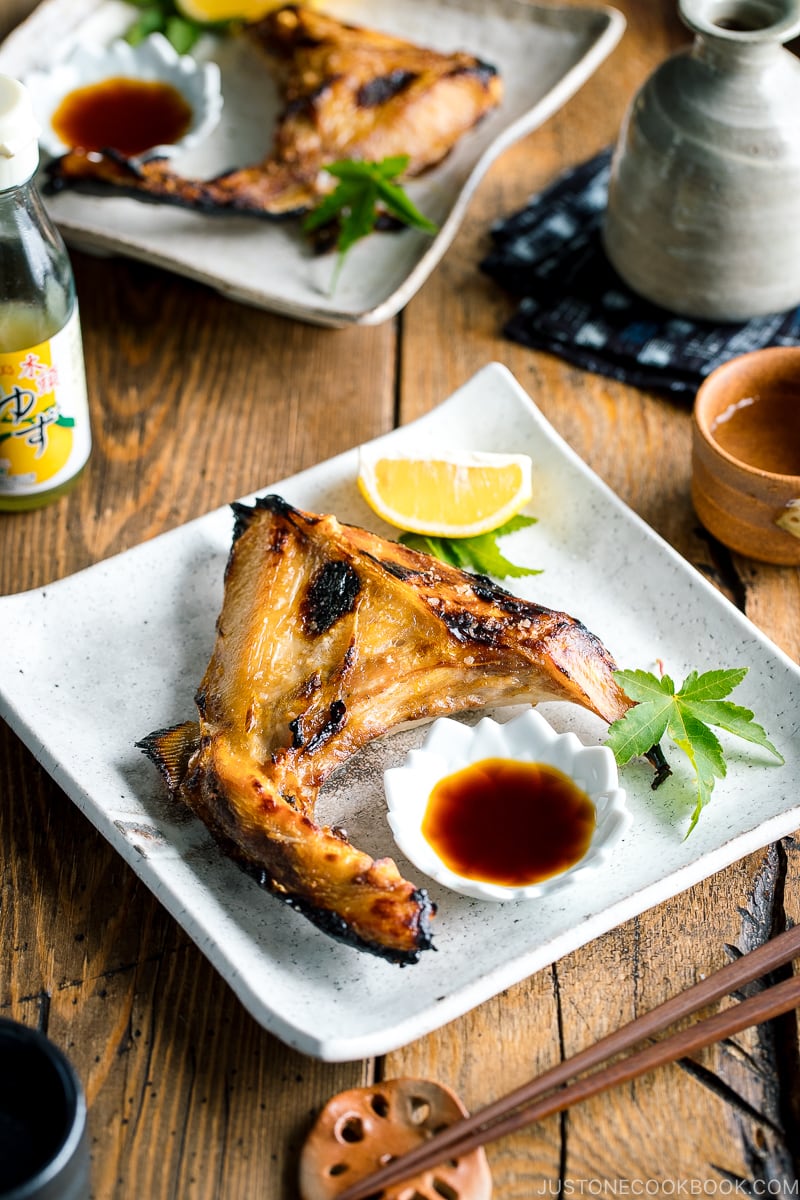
38,309
21,326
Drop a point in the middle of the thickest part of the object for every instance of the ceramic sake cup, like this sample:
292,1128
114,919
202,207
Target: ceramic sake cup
746,455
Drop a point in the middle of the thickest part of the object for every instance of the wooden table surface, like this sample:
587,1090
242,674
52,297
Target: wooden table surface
188,1096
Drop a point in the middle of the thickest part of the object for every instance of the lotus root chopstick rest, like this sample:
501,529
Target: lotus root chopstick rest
360,1130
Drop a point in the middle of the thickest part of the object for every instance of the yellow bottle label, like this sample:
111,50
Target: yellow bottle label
45,438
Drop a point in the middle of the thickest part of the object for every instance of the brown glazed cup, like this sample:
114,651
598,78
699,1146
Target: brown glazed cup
746,491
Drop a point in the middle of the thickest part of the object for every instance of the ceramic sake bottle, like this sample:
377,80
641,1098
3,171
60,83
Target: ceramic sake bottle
704,198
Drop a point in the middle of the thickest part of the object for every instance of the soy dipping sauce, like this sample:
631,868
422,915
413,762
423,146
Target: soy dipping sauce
507,822
127,115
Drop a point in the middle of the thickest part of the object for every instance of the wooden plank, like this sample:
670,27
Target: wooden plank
12,13
681,1123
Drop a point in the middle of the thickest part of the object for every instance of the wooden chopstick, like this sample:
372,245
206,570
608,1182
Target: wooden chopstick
517,1108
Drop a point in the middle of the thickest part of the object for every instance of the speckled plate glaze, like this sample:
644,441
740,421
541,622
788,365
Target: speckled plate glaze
92,663
544,52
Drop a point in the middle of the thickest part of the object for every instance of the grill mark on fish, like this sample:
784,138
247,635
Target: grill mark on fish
348,662
296,730
331,594
244,514
489,591
481,70
335,723
383,87
304,106
396,571
466,627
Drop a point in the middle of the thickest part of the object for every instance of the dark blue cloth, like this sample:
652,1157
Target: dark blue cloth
575,305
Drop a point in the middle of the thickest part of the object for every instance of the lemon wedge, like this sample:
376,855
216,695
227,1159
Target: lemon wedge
208,12
454,494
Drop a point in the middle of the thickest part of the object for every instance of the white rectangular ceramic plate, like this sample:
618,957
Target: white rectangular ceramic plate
544,53
92,663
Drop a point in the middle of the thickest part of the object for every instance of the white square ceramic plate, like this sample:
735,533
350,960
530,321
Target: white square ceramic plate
544,54
92,663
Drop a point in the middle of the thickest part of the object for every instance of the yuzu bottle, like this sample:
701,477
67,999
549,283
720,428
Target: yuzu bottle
45,438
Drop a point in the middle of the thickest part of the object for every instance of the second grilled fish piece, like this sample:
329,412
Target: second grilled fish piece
328,637
349,93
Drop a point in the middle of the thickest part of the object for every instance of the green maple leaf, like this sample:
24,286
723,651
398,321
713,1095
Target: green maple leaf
481,553
686,716
355,202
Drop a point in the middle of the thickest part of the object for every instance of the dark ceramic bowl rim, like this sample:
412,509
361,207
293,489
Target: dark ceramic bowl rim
702,423
12,1032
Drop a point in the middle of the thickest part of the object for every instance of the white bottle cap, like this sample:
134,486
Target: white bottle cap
19,133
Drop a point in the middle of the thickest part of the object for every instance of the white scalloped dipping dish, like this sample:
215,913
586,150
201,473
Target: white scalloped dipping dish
153,59
450,745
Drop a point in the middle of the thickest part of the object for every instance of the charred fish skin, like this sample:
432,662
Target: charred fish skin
175,750
329,636
348,93
336,927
